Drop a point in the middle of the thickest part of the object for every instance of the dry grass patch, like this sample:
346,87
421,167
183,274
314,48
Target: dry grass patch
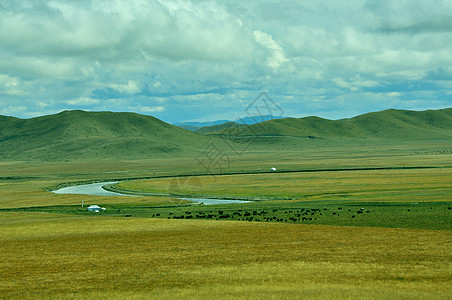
91,257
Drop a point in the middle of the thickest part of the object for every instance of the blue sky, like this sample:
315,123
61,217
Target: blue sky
204,60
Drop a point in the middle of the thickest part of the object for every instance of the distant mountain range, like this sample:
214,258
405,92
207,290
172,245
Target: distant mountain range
108,135
194,126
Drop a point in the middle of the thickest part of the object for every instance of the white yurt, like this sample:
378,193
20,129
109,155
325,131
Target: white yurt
95,208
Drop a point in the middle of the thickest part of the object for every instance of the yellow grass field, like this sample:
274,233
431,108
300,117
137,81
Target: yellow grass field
375,185
62,257
70,254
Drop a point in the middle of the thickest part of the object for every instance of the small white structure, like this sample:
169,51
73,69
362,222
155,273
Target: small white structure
95,208
273,169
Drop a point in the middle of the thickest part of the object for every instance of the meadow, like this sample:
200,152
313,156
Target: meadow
55,256
365,221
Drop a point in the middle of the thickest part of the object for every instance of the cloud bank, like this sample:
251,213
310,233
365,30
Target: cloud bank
205,60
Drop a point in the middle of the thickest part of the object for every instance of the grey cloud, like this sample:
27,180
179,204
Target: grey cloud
410,17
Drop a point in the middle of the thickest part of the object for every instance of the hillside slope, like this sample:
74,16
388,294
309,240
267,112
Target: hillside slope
91,135
215,128
389,125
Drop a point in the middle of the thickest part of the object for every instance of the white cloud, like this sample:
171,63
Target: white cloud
10,86
152,109
82,101
132,87
277,56
13,110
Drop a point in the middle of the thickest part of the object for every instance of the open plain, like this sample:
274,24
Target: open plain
327,225
347,218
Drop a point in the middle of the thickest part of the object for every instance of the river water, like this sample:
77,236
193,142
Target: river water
95,189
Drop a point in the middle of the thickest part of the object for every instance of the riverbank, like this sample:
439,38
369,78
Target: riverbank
114,188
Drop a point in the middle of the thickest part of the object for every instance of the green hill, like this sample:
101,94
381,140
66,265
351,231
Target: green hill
215,128
73,135
91,135
389,125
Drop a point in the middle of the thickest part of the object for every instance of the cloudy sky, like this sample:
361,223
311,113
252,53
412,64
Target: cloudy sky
207,60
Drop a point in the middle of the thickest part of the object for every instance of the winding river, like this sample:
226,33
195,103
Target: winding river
96,189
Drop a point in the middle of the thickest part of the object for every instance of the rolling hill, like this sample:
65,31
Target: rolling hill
215,128
92,135
388,125
73,135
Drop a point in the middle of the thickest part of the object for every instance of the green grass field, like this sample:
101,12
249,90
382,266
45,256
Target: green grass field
369,221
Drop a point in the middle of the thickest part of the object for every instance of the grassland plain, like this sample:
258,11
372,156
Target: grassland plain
430,184
56,256
52,248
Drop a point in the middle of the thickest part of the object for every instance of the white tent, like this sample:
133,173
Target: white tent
273,169
95,208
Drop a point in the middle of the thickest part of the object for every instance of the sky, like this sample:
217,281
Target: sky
205,60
